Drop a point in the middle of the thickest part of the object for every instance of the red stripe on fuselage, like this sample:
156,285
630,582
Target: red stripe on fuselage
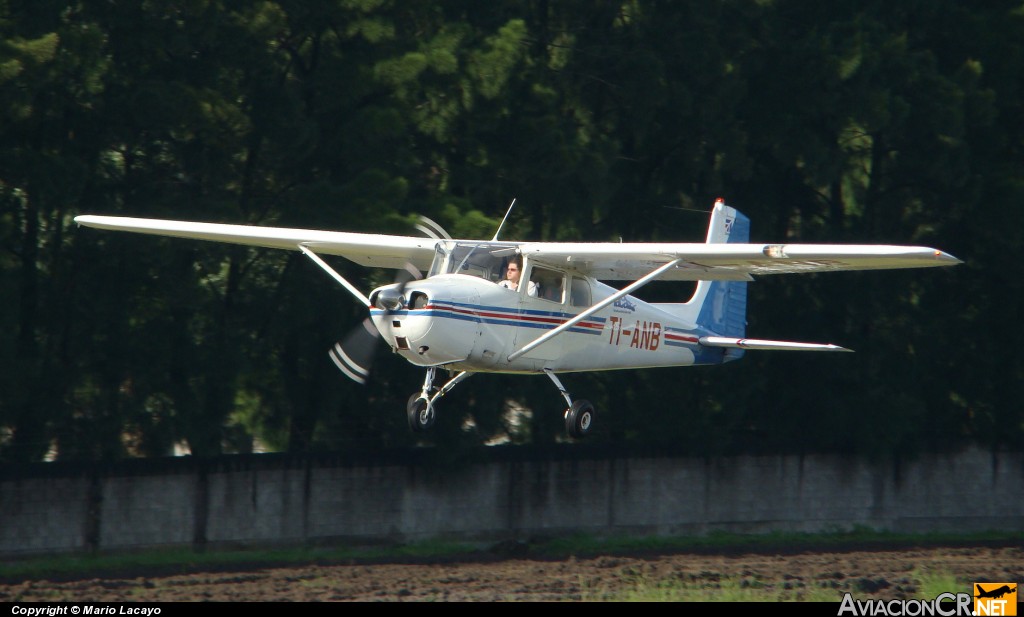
681,337
554,321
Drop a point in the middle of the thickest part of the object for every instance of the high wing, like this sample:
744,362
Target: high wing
377,250
728,262
602,260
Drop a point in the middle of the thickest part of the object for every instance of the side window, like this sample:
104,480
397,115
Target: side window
550,284
579,294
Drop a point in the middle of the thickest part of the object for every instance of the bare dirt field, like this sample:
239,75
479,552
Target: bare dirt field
892,572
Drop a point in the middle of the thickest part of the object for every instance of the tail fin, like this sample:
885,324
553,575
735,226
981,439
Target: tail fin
721,306
718,309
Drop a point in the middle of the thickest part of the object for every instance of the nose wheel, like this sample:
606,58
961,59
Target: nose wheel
420,413
420,408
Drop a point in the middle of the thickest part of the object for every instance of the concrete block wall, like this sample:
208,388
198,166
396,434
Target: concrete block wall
44,515
256,505
139,512
506,494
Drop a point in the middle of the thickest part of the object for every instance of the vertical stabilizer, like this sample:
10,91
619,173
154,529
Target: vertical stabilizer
720,307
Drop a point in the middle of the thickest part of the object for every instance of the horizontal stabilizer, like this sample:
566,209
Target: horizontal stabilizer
753,343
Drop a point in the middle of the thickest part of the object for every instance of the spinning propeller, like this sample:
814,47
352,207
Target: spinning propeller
354,354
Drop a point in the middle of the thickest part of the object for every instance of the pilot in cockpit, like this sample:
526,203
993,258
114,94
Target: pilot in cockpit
513,273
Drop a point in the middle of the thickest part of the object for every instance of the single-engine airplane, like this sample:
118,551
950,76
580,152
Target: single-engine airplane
459,318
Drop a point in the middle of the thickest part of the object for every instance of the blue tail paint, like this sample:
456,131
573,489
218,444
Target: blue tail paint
718,308
724,310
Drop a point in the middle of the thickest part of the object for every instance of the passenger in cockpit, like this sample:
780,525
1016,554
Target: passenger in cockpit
513,273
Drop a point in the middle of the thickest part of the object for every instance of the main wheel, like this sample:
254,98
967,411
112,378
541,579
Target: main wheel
579,419
420,413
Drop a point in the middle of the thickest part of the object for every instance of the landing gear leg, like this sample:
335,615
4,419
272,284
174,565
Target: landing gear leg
420,409
448,386
579,416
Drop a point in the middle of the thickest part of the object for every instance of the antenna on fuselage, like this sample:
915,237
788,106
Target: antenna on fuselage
503,220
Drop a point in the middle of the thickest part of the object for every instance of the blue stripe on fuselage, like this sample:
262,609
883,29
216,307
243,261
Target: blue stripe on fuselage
516,317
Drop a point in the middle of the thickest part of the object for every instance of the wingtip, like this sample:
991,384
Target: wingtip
88,220
946,259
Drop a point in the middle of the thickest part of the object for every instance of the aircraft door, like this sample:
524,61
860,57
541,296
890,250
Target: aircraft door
541,309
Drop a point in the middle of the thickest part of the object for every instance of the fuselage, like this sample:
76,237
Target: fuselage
466,322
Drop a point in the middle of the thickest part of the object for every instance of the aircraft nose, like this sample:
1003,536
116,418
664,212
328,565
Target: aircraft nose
425,324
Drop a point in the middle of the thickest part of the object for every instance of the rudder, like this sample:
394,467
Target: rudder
724,307
720,307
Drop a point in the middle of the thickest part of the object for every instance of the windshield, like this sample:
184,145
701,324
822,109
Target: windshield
486,260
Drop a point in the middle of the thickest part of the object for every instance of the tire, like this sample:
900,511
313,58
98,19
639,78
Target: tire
579,419
420,413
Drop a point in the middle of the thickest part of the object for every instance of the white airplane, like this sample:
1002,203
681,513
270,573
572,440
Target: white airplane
460,318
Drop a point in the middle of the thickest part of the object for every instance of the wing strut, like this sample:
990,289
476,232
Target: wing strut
590,311
334,274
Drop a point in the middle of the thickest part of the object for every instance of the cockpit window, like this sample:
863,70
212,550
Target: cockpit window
484,260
